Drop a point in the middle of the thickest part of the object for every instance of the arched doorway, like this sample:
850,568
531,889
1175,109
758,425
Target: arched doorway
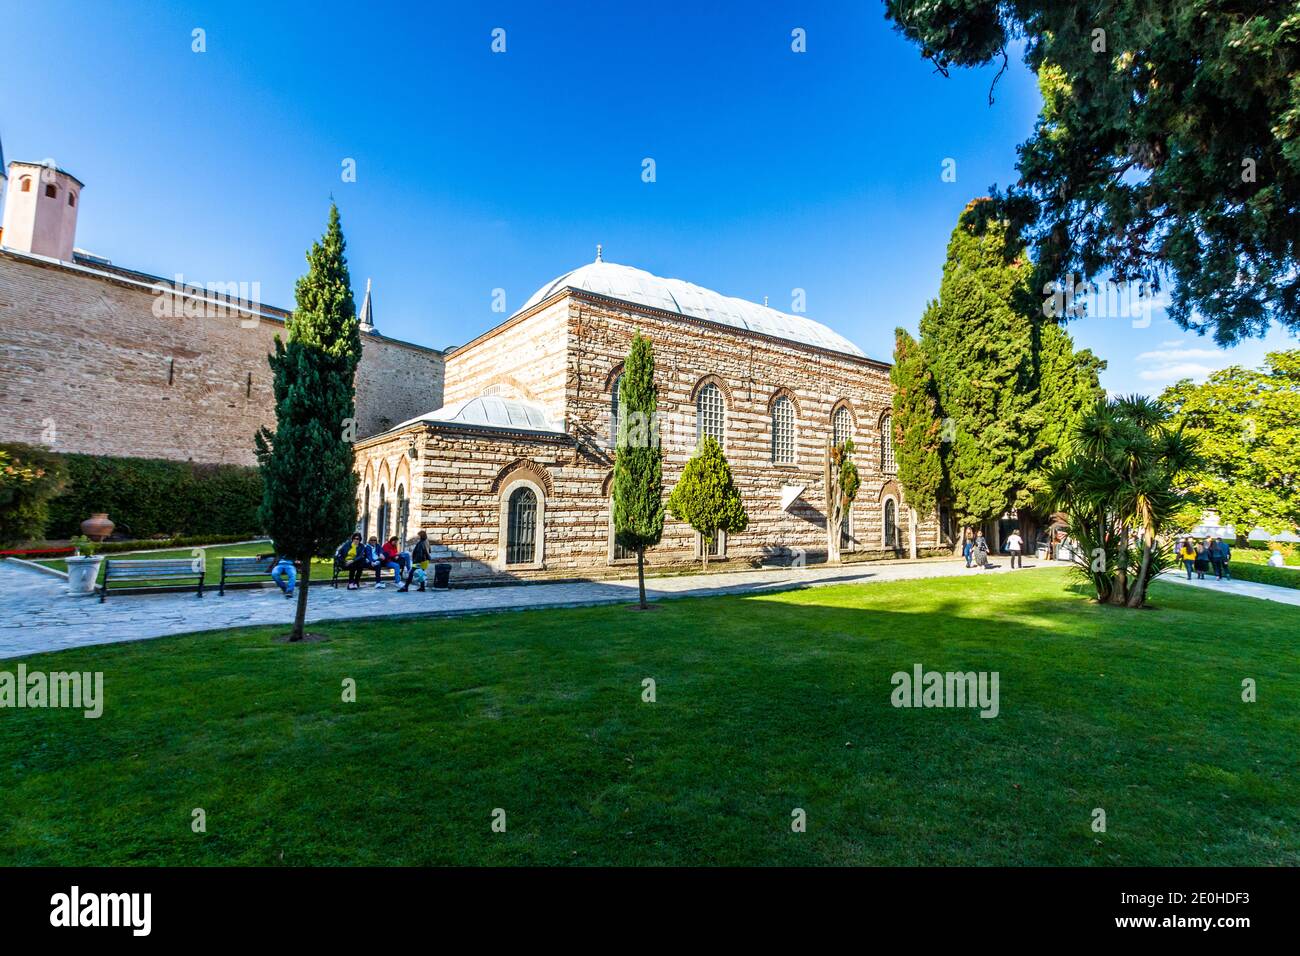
381,520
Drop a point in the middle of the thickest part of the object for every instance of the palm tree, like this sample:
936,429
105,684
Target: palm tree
1120,488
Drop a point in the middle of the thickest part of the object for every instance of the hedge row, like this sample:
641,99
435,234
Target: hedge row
148,497
1263,574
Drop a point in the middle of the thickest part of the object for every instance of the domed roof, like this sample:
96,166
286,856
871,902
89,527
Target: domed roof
490,411
685,298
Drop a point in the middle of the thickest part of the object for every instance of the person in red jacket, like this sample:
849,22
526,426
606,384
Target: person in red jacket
399,561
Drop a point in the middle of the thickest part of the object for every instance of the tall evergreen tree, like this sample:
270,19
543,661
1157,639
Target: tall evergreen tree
638,461
1168,143
1069,385
918,431
707,498
979,342
310,488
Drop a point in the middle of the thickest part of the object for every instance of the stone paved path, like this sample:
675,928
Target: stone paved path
1266,592
37,615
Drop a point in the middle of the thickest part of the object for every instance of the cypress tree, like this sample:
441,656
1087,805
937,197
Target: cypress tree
1069,386
979,339
918,431
706,497
310,488
638,462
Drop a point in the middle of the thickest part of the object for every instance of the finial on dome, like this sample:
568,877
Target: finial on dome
598,259
765,300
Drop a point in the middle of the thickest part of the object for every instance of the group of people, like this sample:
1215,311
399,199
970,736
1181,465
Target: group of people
357,557
409,566
1201,556
975,549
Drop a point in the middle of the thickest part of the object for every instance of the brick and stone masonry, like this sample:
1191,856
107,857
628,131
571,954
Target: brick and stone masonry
565,354
87,366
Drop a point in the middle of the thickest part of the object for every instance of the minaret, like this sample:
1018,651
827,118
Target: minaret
41,210
367,316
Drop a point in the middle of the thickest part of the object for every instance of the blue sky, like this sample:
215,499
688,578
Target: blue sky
775,170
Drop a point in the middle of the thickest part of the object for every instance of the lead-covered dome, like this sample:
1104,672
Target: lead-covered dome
637,286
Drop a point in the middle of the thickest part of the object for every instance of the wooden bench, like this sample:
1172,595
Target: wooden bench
259,566
161,569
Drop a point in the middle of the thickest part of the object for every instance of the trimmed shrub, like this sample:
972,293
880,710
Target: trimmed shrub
1263,574
149,497
29,478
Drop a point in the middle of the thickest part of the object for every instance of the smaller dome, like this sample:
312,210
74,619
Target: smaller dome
490,411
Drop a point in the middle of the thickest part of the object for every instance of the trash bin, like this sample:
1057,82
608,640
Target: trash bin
442,576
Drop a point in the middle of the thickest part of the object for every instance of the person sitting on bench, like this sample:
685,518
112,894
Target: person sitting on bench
351,556
375,559
399,561
285,575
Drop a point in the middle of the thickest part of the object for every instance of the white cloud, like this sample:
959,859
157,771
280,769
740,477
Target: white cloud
1178,354
1173,372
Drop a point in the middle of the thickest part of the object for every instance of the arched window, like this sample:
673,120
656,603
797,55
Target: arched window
381,520
841,426
710,414
403,514
25,184
613,410
521,528
783,431
891,526
887,445
51,191
72,198
846,530
365,516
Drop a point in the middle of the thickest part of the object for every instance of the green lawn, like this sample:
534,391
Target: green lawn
764,704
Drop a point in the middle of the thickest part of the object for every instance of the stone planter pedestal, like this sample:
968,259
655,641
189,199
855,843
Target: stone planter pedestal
83,572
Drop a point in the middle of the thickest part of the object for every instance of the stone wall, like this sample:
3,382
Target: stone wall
87,366
518,359
461,477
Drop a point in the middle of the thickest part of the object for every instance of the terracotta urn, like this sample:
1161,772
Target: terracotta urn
97,527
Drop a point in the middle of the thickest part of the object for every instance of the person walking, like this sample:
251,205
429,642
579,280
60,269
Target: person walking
1187,555
1202,560
351,557
1016,548
420,557
1216,557
981,552
968,546
1225,558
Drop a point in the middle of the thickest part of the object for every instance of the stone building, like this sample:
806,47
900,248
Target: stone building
512,475
104,360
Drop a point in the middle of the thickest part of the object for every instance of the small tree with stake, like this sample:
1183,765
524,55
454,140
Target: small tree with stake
917,431
638,462
706,498
841,487
310,488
